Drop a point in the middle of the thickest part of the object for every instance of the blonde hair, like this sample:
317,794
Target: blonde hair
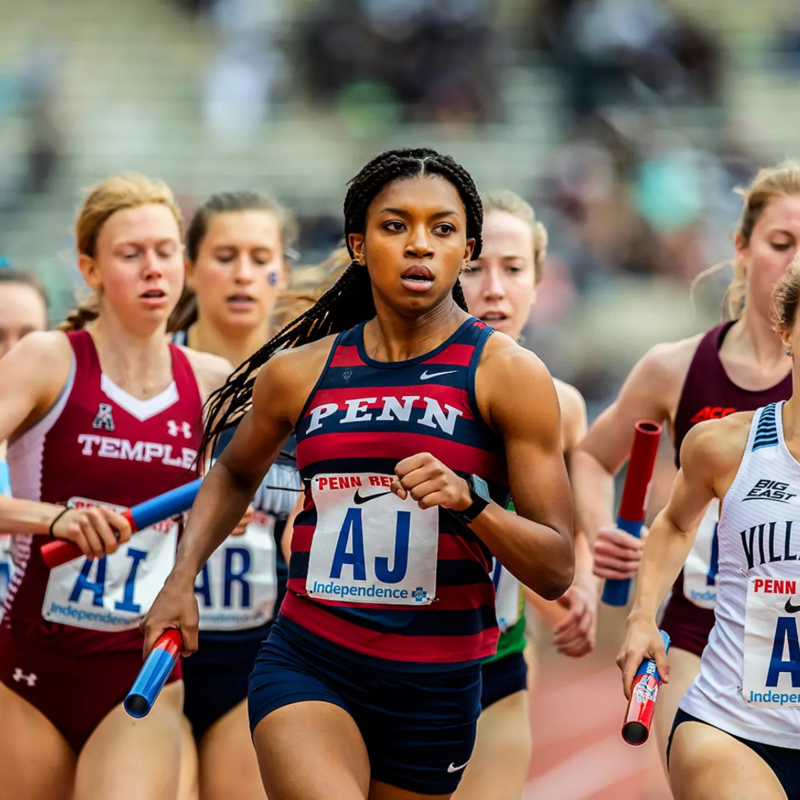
129,190
787,296
513,204
310,284
769,183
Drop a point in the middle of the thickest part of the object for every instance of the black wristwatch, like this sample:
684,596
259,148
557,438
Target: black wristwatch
479,492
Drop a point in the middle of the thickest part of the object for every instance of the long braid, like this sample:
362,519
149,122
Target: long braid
349,301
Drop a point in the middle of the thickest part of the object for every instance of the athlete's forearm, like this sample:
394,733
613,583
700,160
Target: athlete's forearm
26,516
220,504
665,552
593,491
539,556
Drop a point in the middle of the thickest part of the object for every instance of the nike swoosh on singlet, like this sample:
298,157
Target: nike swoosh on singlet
359,499
790,608
454,768
427,376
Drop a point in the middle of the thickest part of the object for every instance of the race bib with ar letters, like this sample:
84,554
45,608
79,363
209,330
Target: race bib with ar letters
370,546
112,593
238,585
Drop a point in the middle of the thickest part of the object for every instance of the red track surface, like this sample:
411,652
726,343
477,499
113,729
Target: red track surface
577,709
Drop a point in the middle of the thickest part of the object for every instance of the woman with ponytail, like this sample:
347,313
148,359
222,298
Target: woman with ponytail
100,416
409,440
237,266
739,365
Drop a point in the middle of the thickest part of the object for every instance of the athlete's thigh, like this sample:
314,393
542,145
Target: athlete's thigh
499,764
36,763
683,669
707,764
311,750
228,763
134,759
187,783
382,791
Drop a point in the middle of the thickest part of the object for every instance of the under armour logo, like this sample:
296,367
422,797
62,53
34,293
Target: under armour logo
174,429
104,418
20,676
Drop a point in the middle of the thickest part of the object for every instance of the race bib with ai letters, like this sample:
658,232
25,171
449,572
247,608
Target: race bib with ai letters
509,597
370,546
238,585
702,565
112,593
771,649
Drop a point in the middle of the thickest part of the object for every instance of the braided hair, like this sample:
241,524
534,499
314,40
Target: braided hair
349,301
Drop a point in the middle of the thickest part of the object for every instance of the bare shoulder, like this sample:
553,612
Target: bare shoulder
45,355
573,413
716,447
210,370
287,379
513,387
666,364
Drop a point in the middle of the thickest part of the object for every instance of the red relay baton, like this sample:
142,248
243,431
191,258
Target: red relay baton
633,505
642,705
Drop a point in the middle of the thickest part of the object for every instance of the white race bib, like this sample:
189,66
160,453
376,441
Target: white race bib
700,569
771,648
508,600
370,546
238,586
6,568
112,593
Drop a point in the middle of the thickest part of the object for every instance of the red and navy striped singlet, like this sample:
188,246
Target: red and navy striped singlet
373,573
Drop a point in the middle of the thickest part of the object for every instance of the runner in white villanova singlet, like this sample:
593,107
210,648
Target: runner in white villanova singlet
737,731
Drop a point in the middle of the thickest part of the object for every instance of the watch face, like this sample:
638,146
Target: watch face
481,488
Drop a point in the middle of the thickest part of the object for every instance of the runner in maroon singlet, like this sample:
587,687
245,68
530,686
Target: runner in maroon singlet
734,367
99,418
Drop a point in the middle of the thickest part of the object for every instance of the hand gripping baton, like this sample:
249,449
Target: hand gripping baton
153,675
642,705
141,516
633,505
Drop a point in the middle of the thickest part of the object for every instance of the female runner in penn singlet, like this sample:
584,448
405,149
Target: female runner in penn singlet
98,418
500,289
736,735
23,310
410,441
236,268
738,366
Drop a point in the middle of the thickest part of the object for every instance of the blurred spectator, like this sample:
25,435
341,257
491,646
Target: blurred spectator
436,60
618,51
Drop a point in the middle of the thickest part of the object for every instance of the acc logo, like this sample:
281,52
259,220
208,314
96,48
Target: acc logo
770,490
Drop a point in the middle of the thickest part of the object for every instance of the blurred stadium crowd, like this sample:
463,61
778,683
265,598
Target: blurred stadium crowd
627,123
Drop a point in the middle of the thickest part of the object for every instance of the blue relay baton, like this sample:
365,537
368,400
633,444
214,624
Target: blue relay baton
140,516
153,675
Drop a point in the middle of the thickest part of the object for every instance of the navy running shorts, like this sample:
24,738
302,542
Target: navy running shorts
783,761
418,727
504,677
215,678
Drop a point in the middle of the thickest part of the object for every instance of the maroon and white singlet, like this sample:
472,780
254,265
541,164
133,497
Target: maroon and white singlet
708,393
69,639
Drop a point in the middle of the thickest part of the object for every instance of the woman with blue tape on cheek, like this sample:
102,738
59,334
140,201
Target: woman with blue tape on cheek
237,249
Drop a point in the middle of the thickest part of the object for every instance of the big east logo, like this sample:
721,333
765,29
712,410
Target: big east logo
770,490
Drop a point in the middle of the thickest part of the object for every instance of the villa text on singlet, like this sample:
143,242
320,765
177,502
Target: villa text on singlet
371,572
